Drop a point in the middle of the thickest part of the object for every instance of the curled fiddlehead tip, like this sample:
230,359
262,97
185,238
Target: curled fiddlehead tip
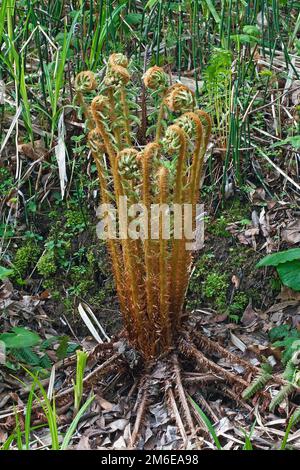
118,59
116,76
128,164
155,78
95,141
173,138
179,98
85,82
100,103
117,73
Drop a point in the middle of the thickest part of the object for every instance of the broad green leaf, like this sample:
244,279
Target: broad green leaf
289,274
20,338
281,257
294,141
4,272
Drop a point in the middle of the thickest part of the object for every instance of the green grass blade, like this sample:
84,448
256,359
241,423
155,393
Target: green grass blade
207,423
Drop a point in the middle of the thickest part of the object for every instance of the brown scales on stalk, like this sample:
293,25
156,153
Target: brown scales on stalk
151,273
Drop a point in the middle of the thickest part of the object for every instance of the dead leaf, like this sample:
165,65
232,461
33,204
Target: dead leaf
60,153
237,342
189,82
295,89
258,196
84,443
236,281
291,233
249,315
105,405
118,425
288,294
119,444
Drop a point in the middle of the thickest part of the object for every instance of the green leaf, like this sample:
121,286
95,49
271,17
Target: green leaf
20,338
281,257
213,11
294,141
134,18
207,423
5,272
27,356
151,3
251,30
289,274
61,352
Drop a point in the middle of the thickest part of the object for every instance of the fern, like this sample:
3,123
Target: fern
259,382
151,273
283,394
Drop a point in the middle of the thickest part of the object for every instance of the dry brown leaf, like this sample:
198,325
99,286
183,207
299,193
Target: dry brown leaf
249,315
291,233
105,405
83,444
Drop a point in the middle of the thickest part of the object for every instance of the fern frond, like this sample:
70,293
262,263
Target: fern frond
258,383
283,394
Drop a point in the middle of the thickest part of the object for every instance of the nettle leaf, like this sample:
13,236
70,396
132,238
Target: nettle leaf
4,272
289,274
61,352
281,257
294,141
134,18
252,30
20,338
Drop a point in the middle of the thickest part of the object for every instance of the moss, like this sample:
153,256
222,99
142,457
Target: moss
239,303
215,288
218,227
75,220
26,258
46,265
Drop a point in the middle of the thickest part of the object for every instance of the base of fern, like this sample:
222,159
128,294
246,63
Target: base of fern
186,375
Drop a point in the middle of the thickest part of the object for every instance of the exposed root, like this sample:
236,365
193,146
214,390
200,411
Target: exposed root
181,395
208,345
190,350
206,407
140,408
200,379
169,374
228,392
174,410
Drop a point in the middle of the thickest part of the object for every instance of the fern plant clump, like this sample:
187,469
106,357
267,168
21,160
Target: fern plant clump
151,271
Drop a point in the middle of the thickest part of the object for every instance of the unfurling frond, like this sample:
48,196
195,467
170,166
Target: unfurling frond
151,269
85,82
179,98
155,78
